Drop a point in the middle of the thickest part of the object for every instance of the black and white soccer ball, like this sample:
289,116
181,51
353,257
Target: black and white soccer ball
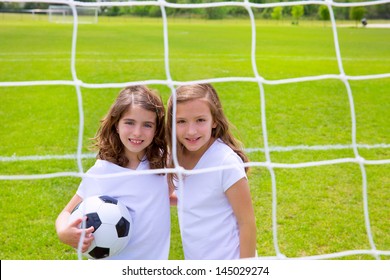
112,225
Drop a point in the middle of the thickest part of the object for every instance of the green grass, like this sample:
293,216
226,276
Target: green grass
320,209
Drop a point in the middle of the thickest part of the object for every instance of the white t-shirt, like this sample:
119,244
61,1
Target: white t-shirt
208,225
147,198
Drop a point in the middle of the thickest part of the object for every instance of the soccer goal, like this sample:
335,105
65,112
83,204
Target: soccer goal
64,14
318,139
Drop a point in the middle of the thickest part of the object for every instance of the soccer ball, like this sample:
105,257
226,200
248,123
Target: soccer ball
112,225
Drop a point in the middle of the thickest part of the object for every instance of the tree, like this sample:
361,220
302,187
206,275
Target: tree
356,14
215,13
323,13
277,13
297,13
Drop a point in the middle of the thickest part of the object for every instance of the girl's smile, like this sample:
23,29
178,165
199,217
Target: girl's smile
194,124
136,130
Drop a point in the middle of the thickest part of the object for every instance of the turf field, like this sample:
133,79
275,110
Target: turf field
320,209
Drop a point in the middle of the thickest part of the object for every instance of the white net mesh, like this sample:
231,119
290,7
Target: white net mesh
269,164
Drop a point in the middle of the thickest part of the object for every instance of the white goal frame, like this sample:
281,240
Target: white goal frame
64,14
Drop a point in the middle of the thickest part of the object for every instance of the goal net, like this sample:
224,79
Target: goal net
64,14
269,164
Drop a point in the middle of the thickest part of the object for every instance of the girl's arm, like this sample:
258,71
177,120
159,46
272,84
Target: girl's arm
70,233
172,194
173,199
241,201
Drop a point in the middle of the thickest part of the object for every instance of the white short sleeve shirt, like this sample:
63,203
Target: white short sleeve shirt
147,198
208,225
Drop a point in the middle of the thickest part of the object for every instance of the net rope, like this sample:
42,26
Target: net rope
257,78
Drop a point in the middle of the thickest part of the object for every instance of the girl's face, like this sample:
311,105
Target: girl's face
194,124
136,129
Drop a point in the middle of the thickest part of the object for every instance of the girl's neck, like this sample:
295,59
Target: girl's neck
134,161
133,164
189,159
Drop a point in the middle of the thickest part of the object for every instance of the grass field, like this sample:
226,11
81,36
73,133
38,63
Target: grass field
319,209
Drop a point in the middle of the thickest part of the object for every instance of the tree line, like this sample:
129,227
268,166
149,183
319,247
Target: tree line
277,13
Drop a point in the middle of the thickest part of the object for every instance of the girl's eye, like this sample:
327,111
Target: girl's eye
180,121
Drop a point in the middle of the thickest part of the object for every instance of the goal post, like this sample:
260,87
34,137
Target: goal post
63,14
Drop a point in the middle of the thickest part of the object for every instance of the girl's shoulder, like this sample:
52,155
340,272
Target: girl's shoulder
219,151
104,166
220,147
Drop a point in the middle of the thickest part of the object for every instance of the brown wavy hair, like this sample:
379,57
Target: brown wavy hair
107,141
222,130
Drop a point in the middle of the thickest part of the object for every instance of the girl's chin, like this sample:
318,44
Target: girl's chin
191,148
